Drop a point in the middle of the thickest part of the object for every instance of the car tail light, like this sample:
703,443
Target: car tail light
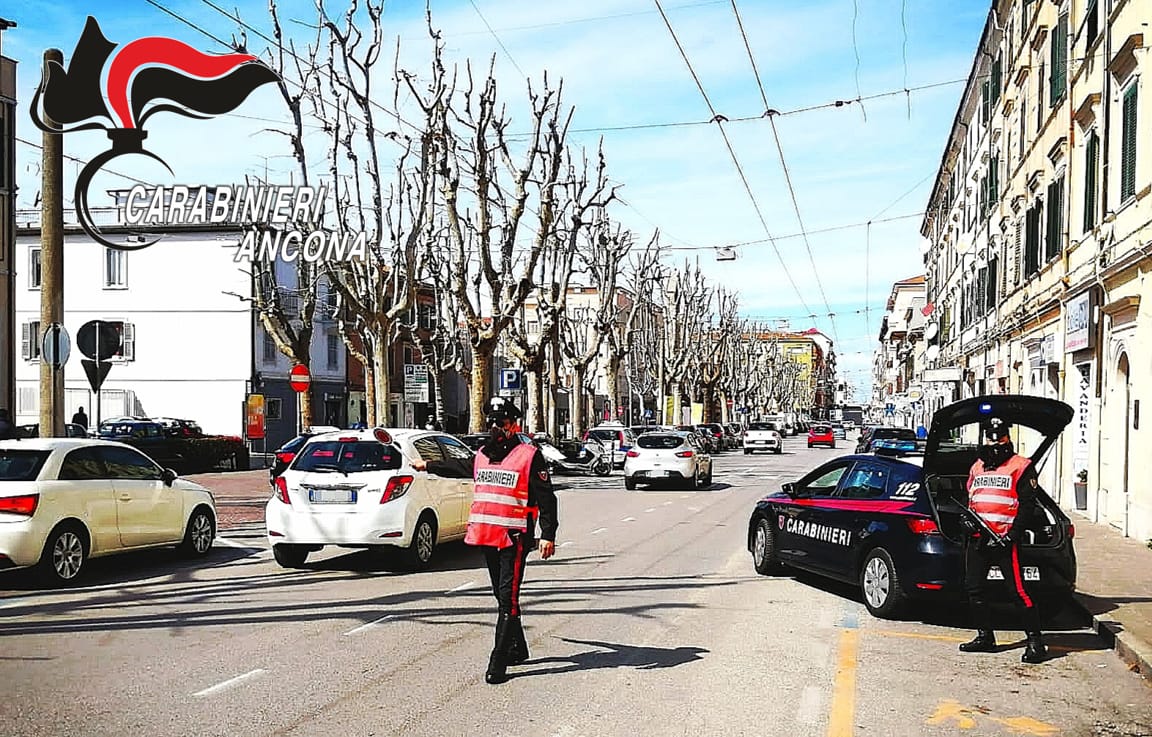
396,488
1071,530
923,526
285,458
684,454
24,504
282,490
633,454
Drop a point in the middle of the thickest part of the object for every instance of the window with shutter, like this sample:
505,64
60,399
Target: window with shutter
982,292
128,338
993,182
30,340
1058,48
1055,226
1017,255
35,268
1092,23
1040,99
1091,167
996,80
1128,145
1032,239
990,295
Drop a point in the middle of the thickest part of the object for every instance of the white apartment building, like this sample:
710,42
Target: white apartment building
191,345
1038,239
896,386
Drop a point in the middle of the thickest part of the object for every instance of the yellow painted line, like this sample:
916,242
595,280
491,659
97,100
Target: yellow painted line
1029,726
842,719
952,711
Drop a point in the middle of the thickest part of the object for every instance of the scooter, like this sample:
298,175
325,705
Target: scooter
593,459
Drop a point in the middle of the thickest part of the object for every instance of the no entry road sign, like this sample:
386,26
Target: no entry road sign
299,378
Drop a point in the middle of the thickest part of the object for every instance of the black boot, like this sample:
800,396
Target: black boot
498,662
518,650
984,642
1035,652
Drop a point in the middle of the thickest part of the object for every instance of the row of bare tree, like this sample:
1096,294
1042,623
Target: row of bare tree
477,237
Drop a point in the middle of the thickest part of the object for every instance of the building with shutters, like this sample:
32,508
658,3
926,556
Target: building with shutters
896,374
1038,239
8,329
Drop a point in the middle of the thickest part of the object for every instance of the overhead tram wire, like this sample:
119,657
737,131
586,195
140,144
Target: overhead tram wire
856,51
904,49
501,43
787,173
831,229
82,161
718,119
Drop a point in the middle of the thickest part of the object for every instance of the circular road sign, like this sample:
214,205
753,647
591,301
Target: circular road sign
98,340
299,378
56,346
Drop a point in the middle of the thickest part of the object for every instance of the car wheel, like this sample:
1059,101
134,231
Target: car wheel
64,556
629,484
419,553
290,556
708,478
764,549
199,533
883,595
747,452
602,468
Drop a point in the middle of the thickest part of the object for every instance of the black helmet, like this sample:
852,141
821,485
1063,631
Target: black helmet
994,428
499,409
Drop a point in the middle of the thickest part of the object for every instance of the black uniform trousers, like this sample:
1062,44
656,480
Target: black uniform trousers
978,558
506,569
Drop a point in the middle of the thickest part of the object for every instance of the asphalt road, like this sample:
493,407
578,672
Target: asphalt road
649,621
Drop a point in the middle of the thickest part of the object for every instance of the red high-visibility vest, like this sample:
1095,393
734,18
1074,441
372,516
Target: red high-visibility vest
992,494
500,501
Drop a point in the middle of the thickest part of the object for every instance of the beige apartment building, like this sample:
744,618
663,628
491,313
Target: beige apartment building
1039,240
897,394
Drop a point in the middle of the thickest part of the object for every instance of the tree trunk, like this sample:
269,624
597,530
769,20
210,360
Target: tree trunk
537,386
612,365
305,398
369,396
481,385
439,406
554,388
576,411
380,378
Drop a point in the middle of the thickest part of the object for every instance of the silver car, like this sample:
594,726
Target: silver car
668,457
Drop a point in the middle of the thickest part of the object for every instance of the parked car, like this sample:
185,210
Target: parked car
719,435
71,430
64,501
284,455
358,489
617,437
821,435
179,428
763,436
838,431
668,457
891,523
867,439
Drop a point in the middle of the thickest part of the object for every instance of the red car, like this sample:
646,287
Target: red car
821,435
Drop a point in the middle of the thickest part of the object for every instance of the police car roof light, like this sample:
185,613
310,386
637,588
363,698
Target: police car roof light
985,408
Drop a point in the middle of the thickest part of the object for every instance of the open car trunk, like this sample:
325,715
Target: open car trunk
953,444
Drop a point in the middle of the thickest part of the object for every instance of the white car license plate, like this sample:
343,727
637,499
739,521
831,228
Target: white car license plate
332,496
1031,573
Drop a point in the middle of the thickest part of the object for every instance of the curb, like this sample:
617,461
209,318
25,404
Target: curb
1129,648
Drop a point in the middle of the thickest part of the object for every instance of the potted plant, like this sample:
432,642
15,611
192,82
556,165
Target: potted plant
1080,488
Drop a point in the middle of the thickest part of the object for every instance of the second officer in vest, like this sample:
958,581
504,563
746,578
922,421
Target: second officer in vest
513,492
1002,492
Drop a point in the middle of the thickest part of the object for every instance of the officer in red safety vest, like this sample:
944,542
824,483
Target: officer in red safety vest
513,491
1002,493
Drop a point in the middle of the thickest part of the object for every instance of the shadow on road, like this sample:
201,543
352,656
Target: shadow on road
130,568
615,655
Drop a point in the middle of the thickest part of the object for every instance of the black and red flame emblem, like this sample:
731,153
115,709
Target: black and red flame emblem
118,88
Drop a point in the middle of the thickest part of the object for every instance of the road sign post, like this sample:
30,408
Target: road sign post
99,341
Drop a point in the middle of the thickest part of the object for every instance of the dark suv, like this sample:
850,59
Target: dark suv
868,437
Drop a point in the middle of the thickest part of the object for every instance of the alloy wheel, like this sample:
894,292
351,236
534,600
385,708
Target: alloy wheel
760,544
424,542
877,582
201,533
67,555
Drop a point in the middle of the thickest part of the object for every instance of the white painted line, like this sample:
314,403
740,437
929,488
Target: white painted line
693,509
665,504
650,509
809,707
628,519
598,530
229,683
233,544
564,545
462,587
363,627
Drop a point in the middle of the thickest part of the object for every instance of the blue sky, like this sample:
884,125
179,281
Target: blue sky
621,67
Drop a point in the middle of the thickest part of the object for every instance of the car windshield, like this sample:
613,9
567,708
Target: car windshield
606,436
652,441
820,429
347,457
899,433
21,465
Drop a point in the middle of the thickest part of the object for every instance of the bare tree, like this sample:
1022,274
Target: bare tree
634,323
395,212
486,188
686,313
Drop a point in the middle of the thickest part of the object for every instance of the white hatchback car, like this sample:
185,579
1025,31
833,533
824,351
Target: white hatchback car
660,457
63,501
358,489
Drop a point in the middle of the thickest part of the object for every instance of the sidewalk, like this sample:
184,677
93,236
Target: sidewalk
1114,585
1114,581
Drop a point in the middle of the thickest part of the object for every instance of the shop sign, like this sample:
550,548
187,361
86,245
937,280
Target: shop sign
1078,323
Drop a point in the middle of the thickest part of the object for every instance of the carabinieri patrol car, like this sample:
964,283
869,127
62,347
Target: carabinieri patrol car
890,522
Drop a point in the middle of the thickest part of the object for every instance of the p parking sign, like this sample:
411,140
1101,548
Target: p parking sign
511,379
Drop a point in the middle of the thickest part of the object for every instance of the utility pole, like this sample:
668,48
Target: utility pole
52,268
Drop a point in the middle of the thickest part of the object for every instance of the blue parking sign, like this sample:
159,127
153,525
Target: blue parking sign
510,379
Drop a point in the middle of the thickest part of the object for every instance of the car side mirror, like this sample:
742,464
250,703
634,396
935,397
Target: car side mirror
789,489
168,476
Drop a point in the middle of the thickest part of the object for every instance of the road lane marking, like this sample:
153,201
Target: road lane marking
628,519
693,509
666,504
842,717
650,509
370,625
462,587
809,708
598,530
564,545
229,683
